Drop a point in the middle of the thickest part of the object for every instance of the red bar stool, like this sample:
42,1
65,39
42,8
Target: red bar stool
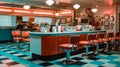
26,38
17,37
116,40
71,46
107,40
110,36
99,40
87,41
111,39
117,36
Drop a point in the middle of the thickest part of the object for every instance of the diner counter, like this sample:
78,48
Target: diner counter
47,43
63,33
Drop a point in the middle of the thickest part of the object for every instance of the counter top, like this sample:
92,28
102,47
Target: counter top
63,33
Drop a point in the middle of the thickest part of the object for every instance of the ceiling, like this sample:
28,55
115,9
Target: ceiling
59,4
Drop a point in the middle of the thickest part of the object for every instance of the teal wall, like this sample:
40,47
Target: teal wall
25,18
13,21
38,19
43,19
7,20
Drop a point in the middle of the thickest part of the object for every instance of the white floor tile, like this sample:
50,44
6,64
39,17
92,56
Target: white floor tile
18,65
89,65
7,61
38,61
109,65
54,66
117,59
103,60
26,57
86,60
18,54
10,52
3,57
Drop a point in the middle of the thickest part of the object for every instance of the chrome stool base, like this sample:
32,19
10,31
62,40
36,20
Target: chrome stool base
68,62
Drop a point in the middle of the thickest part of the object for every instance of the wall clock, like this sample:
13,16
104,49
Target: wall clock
106,17
112,18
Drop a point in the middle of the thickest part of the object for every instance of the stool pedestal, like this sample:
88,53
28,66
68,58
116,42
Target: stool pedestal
68,60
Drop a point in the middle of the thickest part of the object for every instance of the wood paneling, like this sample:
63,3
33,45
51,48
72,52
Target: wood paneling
50,44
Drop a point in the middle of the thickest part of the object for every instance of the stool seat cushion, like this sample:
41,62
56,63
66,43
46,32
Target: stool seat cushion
86,42
100,39
96,41
67,46
26,40
105,39
111,38
117,38
17,38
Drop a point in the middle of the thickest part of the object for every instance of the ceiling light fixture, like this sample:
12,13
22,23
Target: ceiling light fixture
26,7
94,10
76,5
49,2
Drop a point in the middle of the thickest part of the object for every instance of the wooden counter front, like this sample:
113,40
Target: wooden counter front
50,44
47,44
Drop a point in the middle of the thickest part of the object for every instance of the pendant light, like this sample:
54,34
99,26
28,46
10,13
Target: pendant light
95,7
94,10
76,6
49,2
26,7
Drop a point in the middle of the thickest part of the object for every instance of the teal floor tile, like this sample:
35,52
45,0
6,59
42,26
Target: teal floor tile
99,63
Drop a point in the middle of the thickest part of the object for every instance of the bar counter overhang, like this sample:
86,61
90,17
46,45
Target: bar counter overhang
45,45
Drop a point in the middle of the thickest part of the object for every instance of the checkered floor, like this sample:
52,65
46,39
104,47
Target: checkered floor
12,57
